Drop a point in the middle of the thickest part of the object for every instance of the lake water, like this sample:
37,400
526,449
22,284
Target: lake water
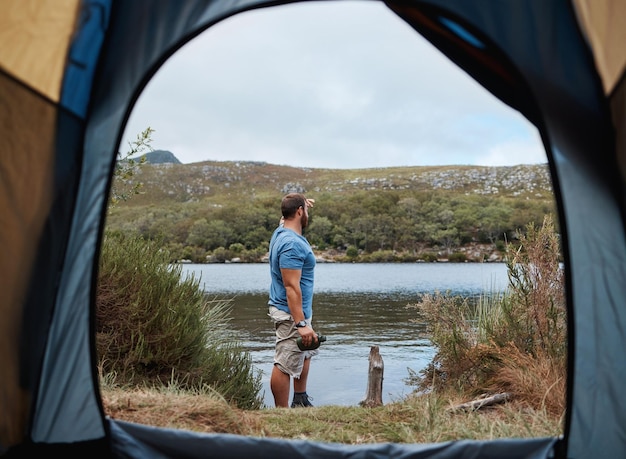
356,306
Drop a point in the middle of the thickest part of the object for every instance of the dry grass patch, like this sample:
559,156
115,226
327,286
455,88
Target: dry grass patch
539,382
417,420
200,413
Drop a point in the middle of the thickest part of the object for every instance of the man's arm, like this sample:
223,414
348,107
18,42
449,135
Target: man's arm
291,281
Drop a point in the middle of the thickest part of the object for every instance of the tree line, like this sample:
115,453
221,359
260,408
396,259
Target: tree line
363,225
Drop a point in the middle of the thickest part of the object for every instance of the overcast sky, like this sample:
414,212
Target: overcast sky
326,85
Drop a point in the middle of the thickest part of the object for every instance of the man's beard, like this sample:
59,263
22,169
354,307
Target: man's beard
304,221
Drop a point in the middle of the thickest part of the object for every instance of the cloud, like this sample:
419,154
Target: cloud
514,153
326,84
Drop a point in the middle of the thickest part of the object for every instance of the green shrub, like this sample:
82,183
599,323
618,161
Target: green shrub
193,253
219,255
154,327
429,257
457,257
380,256
237,247
407,257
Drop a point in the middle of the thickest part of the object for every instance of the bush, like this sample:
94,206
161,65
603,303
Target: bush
380,256
513,341
429,257
237,247
457,257
153,327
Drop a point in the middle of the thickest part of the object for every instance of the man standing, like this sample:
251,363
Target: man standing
292,264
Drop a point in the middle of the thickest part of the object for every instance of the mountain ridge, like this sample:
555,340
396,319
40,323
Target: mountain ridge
172,182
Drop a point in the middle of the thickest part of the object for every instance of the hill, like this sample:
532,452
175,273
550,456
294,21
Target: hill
172,182
161,157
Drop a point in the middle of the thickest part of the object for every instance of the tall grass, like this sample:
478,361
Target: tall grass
154,327
513,341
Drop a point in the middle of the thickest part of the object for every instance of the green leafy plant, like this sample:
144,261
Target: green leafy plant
126,168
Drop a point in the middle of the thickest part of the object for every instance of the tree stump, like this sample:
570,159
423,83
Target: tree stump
374,394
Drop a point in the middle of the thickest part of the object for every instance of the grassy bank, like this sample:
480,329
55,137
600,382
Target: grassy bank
424,419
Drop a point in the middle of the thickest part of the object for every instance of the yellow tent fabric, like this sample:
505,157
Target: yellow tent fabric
35,36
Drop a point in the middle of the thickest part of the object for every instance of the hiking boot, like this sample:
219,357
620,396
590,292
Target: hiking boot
301,400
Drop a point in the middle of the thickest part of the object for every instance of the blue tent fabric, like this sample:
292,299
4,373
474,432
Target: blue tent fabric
146,441
535,55
83,56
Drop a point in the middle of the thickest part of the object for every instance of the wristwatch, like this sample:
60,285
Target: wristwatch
301,324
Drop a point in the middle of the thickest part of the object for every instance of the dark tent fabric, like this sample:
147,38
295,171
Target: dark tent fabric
70,73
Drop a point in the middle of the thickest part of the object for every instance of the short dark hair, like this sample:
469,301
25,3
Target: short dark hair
290,204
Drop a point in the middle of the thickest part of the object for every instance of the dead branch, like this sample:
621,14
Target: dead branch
481,402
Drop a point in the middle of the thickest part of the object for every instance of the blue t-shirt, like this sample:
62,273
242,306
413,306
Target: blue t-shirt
291,250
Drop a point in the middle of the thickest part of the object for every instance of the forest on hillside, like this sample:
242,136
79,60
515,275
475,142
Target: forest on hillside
234,217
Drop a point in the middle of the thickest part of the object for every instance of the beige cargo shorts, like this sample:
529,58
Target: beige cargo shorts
287,356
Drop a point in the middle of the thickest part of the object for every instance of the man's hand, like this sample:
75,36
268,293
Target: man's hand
308,335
